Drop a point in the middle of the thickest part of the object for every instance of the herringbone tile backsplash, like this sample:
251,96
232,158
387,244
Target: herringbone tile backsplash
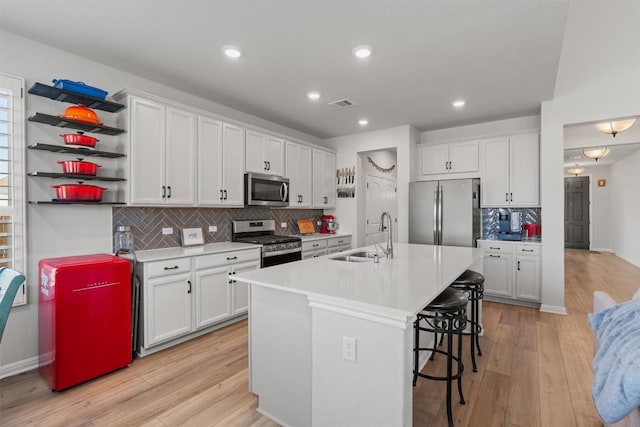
147,223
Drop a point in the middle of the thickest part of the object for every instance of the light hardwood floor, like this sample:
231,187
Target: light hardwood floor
535,371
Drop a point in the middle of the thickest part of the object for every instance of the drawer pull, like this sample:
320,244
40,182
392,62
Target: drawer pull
491,247
315,245
340,241
175,267
231,258
494,256
527,250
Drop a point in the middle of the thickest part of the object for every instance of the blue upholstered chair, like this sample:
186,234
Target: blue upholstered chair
10,281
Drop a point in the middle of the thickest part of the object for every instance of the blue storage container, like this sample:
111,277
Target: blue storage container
80,88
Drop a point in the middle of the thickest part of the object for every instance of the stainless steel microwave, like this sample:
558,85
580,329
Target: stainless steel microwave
265,190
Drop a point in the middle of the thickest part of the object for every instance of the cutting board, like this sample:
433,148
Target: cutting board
306,226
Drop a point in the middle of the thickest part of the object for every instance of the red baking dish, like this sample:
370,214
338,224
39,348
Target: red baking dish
79,139
79,167
78,192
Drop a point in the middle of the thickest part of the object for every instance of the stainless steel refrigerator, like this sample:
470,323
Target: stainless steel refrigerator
445,212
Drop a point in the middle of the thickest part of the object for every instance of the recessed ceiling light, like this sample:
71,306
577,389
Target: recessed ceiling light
363,122
313,95
232,51
459,103
362,51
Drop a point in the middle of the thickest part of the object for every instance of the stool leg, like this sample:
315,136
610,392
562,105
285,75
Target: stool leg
416,351
477,325
472,329
461,367
433,350
449,369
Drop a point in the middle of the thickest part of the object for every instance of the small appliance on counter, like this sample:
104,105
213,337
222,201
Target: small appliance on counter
510,226
329,224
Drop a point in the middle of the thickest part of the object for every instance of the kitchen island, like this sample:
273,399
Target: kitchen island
330,341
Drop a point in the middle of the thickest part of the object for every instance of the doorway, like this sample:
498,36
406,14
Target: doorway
380,196
576,212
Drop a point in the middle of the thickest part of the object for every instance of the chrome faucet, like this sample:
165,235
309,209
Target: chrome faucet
389,251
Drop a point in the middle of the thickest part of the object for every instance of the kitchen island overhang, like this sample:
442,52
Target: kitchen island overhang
303,314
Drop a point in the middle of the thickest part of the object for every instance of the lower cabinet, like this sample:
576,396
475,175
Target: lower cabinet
183,296
314,248
338,244
511,270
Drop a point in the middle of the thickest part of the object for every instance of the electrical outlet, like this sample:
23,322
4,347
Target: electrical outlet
167,230
318,222
213,228
349,349
283,224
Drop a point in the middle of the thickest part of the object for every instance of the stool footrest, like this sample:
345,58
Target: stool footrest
455,376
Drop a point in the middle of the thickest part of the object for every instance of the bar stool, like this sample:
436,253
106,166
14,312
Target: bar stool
447,314
472,283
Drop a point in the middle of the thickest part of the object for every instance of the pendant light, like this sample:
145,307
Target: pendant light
613,128
596,153
576,170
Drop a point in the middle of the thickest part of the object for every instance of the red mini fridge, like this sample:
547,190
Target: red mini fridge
84,317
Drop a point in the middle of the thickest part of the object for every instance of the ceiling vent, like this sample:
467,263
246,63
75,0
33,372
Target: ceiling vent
342,103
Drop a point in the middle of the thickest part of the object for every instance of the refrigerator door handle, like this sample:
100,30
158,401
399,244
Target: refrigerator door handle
435,214
440,195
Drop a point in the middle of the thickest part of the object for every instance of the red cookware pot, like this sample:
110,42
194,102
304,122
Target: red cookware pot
79,167
78,192
79,139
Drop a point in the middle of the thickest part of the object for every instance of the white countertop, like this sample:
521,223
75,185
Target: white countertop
405,284
320,236
211,248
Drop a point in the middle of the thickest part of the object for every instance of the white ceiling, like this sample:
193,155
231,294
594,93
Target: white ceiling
502,57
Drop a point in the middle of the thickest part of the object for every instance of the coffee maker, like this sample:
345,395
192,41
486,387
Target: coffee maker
329,225
510,226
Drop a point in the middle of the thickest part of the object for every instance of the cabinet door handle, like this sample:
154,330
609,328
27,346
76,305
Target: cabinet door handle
221,195
225,194
268,166
518,265
450,165
189,282
164,192
175,267
494,256
169,192
491,247
511,194
231,258
326,200
506,197
265,165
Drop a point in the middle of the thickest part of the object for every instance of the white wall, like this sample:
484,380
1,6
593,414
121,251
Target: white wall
349,212
482,130
598,78
70,230
624,207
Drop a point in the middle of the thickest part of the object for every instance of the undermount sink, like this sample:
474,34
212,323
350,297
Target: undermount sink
356,257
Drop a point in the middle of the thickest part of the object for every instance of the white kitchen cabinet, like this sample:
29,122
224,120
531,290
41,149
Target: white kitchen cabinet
324,179
162,141
456,157
167,292
314,248
264,154
182,297
338,244
220,163
298,170
510,171
511,270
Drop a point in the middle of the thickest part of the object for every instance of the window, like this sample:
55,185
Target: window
12,192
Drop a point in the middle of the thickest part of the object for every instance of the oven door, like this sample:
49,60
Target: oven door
265,190
271,260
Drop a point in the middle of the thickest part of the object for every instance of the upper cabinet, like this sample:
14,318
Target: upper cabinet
162,144
324,179
220,163
455,157
264,154
298,170
511,171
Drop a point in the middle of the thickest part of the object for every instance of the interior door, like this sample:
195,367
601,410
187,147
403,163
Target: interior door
380,197
422,197
576,212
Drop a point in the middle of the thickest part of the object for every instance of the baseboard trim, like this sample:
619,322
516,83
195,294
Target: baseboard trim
601,250
630,261
18,367
555,309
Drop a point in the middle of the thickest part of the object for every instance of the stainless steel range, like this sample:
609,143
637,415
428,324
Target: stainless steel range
275,249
